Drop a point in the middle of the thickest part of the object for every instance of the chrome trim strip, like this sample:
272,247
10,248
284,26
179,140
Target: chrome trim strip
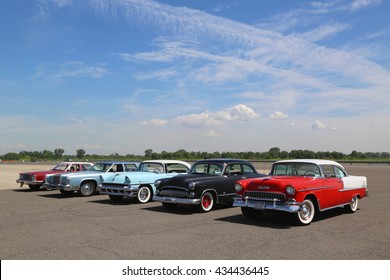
176,200
332,207
315,189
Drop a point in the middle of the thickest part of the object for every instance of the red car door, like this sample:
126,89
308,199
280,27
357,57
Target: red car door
332,188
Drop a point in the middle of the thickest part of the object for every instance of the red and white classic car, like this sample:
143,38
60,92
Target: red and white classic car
302,187
35,179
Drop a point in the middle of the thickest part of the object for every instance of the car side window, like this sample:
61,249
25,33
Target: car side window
248,169
215,169
177,168
119,168
85,167
329,171
130,167
233,169
339,172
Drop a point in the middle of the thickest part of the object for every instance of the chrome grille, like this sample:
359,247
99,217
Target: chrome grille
25,177
64,180
173,193
56,179
271,196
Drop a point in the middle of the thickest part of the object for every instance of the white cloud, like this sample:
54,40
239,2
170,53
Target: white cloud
318,125
212,133
69,70
359,4
238,113
324,32
278,115
155,123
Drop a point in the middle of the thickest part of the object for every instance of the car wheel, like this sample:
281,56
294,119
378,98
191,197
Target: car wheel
306,213
34,187
251,213
144,194
353,205
169,206
87,188
116,198
206,202
64,192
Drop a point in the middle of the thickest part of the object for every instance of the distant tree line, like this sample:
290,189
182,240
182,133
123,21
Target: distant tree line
273,154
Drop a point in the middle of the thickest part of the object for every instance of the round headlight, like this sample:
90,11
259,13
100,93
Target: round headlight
238,187
127,180
290,190
191,186
157,183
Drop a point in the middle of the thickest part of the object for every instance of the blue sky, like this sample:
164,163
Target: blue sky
123,76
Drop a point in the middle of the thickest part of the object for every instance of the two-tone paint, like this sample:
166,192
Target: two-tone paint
140,184
303,187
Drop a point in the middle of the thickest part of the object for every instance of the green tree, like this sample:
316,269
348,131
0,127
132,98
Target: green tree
80,153
148,153
58,152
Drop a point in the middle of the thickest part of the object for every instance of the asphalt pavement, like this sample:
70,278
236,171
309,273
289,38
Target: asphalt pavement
44,225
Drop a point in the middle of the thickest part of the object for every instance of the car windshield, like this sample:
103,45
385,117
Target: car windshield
151,167
60,167
207,168
100,167
295,169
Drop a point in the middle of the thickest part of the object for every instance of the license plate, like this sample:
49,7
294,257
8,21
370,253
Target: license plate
259,205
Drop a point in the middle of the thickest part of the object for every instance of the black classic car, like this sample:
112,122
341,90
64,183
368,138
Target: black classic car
209,182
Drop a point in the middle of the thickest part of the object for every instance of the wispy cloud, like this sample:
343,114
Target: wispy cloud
69,70
324,31
359,4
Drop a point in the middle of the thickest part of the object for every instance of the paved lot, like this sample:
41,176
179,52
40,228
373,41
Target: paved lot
45,225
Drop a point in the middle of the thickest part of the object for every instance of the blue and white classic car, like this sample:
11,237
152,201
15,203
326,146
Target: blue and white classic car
86,182
140,184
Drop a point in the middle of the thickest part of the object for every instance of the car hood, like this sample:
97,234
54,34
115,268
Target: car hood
277,183
45,172
183,180
81,173
134,177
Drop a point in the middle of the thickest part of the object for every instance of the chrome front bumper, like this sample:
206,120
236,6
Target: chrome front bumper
177,200
119,191
290,207
50,187
24,182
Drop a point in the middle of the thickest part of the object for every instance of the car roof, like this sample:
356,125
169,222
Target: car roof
74,162
223,160
118,162
162,160
165,161
315,161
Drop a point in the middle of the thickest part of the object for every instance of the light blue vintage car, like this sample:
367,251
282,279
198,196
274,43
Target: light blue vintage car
140,184
86,182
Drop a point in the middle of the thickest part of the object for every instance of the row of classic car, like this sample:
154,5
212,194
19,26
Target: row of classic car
86,182
300,187
35,179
